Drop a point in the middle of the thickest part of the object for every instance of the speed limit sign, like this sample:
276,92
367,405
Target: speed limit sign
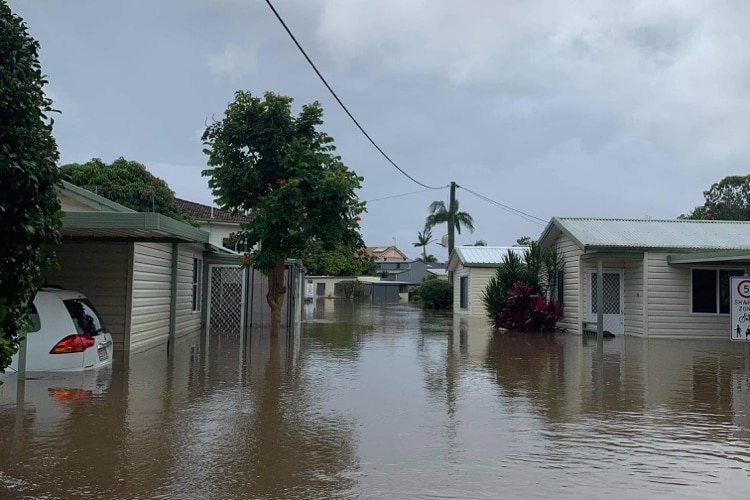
739,296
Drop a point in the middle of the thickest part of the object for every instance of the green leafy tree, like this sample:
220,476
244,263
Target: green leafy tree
338,261
439,215
480,243
523,241
424,238
728,199
283,170
30,213
128,183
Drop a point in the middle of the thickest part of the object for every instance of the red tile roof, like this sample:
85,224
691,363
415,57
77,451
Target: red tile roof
206,213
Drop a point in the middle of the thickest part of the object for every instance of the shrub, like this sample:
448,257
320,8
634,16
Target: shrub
538,268
350,289
511,270
526,311
436,294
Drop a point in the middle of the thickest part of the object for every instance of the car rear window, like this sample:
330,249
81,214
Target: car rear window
85,318
36,324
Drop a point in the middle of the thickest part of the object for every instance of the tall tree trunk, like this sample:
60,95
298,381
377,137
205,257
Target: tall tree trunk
275,296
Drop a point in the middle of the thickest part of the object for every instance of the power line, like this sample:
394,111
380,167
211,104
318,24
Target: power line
399,195
312,64
519,213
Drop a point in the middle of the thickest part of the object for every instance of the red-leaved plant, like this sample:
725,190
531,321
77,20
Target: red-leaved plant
528,312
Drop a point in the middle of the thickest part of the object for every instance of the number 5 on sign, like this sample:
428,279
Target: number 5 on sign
739,297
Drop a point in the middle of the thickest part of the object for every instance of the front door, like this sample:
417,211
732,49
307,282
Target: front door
613,301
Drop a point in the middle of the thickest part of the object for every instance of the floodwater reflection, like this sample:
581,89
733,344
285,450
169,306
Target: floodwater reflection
387,402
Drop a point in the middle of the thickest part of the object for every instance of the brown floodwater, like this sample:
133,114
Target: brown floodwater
387,402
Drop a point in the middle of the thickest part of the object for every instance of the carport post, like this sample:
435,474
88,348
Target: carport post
22,358
599,297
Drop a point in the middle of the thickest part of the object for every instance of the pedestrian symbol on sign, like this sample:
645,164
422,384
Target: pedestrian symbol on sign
739,308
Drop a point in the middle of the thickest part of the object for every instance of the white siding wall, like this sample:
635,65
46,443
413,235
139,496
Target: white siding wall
99,271
478,279
669,308
571,255
217,231
152,285
634,296
152,278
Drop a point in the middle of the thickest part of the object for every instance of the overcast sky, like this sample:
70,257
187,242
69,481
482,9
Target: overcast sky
552,107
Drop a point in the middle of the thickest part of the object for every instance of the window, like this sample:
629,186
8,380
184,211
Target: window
197,283
464,292
84,316
36,324
560,288
710,289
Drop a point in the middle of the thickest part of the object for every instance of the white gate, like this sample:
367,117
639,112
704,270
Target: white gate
613,301
226,299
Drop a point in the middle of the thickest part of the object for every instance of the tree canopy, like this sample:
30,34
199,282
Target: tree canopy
728,199
424,238
283,171
29,210
128,183
440,214
338,261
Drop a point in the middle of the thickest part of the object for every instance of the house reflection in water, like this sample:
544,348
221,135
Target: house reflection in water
568,376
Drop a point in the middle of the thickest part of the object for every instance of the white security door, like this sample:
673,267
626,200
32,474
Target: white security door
226,299
613,301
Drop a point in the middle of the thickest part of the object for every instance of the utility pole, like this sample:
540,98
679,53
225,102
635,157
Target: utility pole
451,225
452,219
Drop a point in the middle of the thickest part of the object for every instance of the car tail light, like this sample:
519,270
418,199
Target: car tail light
73,343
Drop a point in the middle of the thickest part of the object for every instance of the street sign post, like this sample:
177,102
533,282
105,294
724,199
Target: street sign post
739,303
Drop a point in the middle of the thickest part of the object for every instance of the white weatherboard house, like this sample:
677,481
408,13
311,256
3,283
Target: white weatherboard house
142,271
472,269
660,278
153,278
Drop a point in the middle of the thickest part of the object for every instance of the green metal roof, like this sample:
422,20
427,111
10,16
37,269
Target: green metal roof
112,221
137,226
666,234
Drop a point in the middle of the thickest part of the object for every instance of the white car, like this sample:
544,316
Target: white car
67,334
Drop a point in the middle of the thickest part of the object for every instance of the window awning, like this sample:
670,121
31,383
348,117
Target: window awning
714,257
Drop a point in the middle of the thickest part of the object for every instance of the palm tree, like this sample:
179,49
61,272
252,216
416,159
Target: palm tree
440,215
424,238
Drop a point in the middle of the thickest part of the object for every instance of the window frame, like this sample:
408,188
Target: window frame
463,292
196,285
717,288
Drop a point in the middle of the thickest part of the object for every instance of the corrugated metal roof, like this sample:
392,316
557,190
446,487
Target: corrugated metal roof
478,256
657,233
